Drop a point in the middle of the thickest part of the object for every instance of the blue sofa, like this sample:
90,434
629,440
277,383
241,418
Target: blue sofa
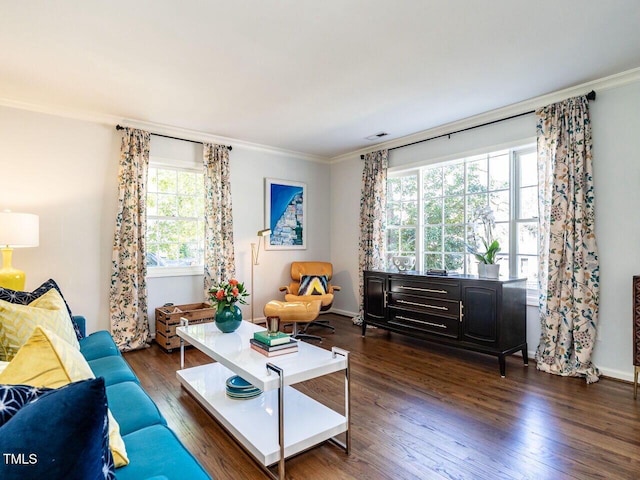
153,449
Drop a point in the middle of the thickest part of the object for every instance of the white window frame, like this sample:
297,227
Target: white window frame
515,150
171,271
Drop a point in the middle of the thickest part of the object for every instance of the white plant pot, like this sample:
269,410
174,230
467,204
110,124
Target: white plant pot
492,270
482,270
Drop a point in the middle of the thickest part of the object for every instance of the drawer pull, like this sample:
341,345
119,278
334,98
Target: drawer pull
439,325
422,289
423,305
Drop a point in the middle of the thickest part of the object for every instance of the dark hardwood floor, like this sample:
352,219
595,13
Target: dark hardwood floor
425,411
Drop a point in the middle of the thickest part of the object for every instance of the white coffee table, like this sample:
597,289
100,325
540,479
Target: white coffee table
282,421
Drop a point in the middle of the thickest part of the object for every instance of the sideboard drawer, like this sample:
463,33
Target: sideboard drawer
424,322
433,306
436,288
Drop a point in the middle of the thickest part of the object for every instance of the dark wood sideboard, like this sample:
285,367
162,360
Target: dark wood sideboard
636,333
464,311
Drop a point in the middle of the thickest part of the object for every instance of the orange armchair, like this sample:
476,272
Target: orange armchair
319,269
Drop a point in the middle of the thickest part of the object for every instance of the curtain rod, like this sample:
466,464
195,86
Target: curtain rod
590,96
120,127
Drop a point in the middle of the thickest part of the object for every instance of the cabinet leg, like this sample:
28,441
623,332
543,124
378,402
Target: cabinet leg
503,366
364,327
525,355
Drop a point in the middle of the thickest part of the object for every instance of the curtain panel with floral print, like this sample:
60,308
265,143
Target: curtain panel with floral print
373,216
128,291
219,257
569,268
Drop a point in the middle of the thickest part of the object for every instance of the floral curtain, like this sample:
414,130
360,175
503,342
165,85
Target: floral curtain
128,291
569,271
219,258
373,216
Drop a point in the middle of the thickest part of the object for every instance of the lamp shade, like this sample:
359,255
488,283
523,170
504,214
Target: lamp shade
19,230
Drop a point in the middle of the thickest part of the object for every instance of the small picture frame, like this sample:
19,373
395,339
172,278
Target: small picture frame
285,204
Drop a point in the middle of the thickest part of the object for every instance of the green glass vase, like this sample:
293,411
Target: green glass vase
229,318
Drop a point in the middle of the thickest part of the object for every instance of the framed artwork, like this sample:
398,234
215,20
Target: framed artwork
285,205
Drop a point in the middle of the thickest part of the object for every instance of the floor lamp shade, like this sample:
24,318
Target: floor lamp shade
17,230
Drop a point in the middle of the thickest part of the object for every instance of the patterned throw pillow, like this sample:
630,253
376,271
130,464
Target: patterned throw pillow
313,285
25,298
17,322
45,429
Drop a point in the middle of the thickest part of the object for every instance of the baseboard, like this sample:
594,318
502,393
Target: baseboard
604,372
346,313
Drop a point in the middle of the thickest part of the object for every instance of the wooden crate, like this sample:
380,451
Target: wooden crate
167,319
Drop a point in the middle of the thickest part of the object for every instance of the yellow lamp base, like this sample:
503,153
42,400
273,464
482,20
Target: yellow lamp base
10,277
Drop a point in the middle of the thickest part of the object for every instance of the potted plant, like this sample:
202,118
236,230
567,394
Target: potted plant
484,220
225,296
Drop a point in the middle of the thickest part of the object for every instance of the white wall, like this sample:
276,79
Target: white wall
65,171
616,124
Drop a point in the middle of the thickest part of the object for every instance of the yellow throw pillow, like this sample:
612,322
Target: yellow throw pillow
17,322
46,360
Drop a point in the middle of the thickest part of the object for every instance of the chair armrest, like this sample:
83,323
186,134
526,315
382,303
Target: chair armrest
334,288
284,289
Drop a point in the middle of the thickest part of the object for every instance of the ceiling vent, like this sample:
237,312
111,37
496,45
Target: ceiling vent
377,136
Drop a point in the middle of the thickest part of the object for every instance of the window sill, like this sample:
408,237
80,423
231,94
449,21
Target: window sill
157,272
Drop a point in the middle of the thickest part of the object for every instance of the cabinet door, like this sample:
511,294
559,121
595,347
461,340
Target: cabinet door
375,291
480,315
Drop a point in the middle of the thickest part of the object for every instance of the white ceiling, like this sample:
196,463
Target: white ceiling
309,76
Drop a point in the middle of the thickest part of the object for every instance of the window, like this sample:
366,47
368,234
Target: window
430,209
175,221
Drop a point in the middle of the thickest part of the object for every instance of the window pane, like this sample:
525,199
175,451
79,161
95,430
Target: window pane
528,238
454,238
186,206
167,205
393,214
528,169
152,180
433,211
408,240
499,203
453,179
499,172
432,183
454,209
393,240
410,187
152,204
528,267
410,213
477,176
394,189
433,261
529,202
186,183
433,239
501,233
167,181
474,202
454,262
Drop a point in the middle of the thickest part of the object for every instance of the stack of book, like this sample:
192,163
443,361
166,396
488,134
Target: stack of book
275,344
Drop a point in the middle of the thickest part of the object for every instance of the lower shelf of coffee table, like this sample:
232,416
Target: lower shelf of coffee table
254,422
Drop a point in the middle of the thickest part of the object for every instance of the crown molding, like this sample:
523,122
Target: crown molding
606,83
162,129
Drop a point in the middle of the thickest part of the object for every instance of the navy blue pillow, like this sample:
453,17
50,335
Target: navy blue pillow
57,433
25,298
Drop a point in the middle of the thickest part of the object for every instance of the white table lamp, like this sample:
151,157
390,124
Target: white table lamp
17,230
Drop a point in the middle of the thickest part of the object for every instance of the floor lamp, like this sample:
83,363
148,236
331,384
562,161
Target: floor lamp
255,251
17,230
